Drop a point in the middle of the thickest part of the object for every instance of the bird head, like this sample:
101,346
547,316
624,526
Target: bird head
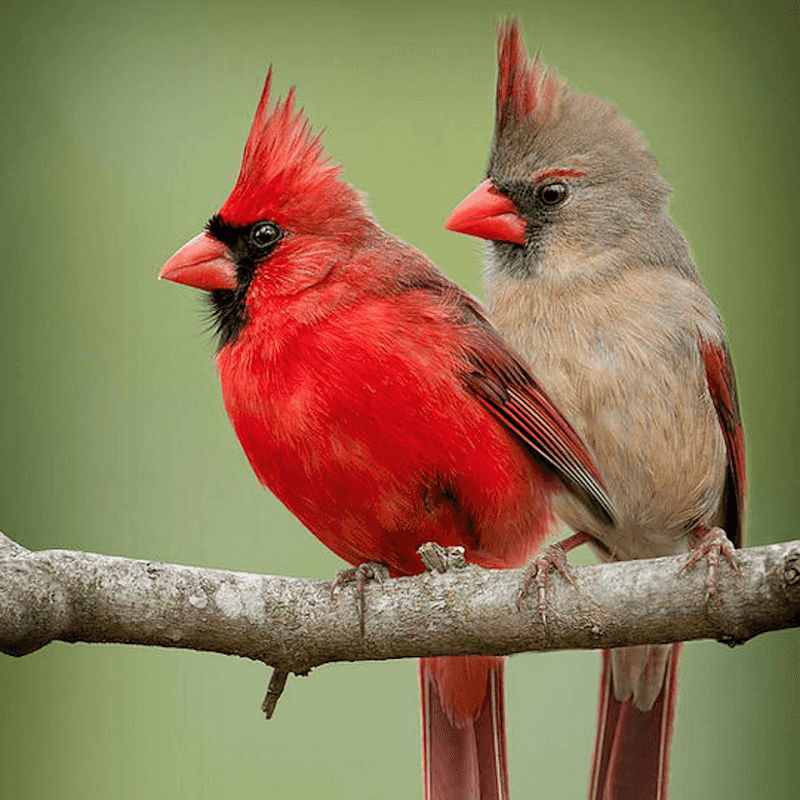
570,188
282,228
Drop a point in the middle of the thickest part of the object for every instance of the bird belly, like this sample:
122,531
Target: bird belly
635,390
374,467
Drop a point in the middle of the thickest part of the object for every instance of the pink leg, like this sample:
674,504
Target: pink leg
555,555
709,543
371,570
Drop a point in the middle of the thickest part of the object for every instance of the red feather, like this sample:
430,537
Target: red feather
631,758
525,89
722,386
283,165
463,743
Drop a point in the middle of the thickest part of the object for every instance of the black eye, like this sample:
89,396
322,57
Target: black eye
265,233
552,194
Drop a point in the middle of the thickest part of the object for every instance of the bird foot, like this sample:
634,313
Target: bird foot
710,544
538,571
369,571
437,558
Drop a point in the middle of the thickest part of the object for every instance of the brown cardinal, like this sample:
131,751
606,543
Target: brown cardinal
591,281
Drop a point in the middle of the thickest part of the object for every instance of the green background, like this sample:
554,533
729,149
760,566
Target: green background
122,126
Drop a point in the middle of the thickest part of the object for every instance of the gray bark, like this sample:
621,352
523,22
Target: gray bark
296,624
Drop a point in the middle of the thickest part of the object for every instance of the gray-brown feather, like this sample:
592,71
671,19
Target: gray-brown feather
621,360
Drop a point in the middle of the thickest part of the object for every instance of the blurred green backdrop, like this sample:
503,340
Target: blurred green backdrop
122,128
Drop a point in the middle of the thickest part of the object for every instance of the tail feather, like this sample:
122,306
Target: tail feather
631,758
463,728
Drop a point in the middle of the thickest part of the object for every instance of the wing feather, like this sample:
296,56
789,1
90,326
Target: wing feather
722,386
505,385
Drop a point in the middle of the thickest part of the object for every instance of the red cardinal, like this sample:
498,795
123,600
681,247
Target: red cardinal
373,398
592,282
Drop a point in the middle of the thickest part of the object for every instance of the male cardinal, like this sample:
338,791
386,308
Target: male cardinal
592,282
373,398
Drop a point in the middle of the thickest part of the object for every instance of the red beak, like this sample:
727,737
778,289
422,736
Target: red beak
488,214
203,263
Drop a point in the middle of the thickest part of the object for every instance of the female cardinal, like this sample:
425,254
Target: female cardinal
592,282
373,398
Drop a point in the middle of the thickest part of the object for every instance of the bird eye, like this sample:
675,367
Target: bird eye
551,194
265,233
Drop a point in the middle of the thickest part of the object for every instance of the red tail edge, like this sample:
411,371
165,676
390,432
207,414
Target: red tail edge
631,757
463,728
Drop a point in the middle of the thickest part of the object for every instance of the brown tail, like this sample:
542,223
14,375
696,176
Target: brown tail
631,757
463,728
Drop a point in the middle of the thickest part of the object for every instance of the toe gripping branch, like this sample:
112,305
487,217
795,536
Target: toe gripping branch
369,571
710,543
538,571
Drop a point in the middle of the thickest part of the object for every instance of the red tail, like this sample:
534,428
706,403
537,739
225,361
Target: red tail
631,756
463,728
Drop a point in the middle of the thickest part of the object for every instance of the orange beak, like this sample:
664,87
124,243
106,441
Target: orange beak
203,263
490,215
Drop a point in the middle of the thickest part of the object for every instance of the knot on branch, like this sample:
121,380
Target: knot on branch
790,574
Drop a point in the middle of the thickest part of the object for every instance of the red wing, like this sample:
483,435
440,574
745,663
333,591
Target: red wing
506,387
722,386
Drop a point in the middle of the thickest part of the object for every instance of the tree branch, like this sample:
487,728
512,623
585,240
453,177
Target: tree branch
294,624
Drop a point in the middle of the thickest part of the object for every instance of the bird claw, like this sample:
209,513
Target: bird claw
710,544
538,572
370,570
437,558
